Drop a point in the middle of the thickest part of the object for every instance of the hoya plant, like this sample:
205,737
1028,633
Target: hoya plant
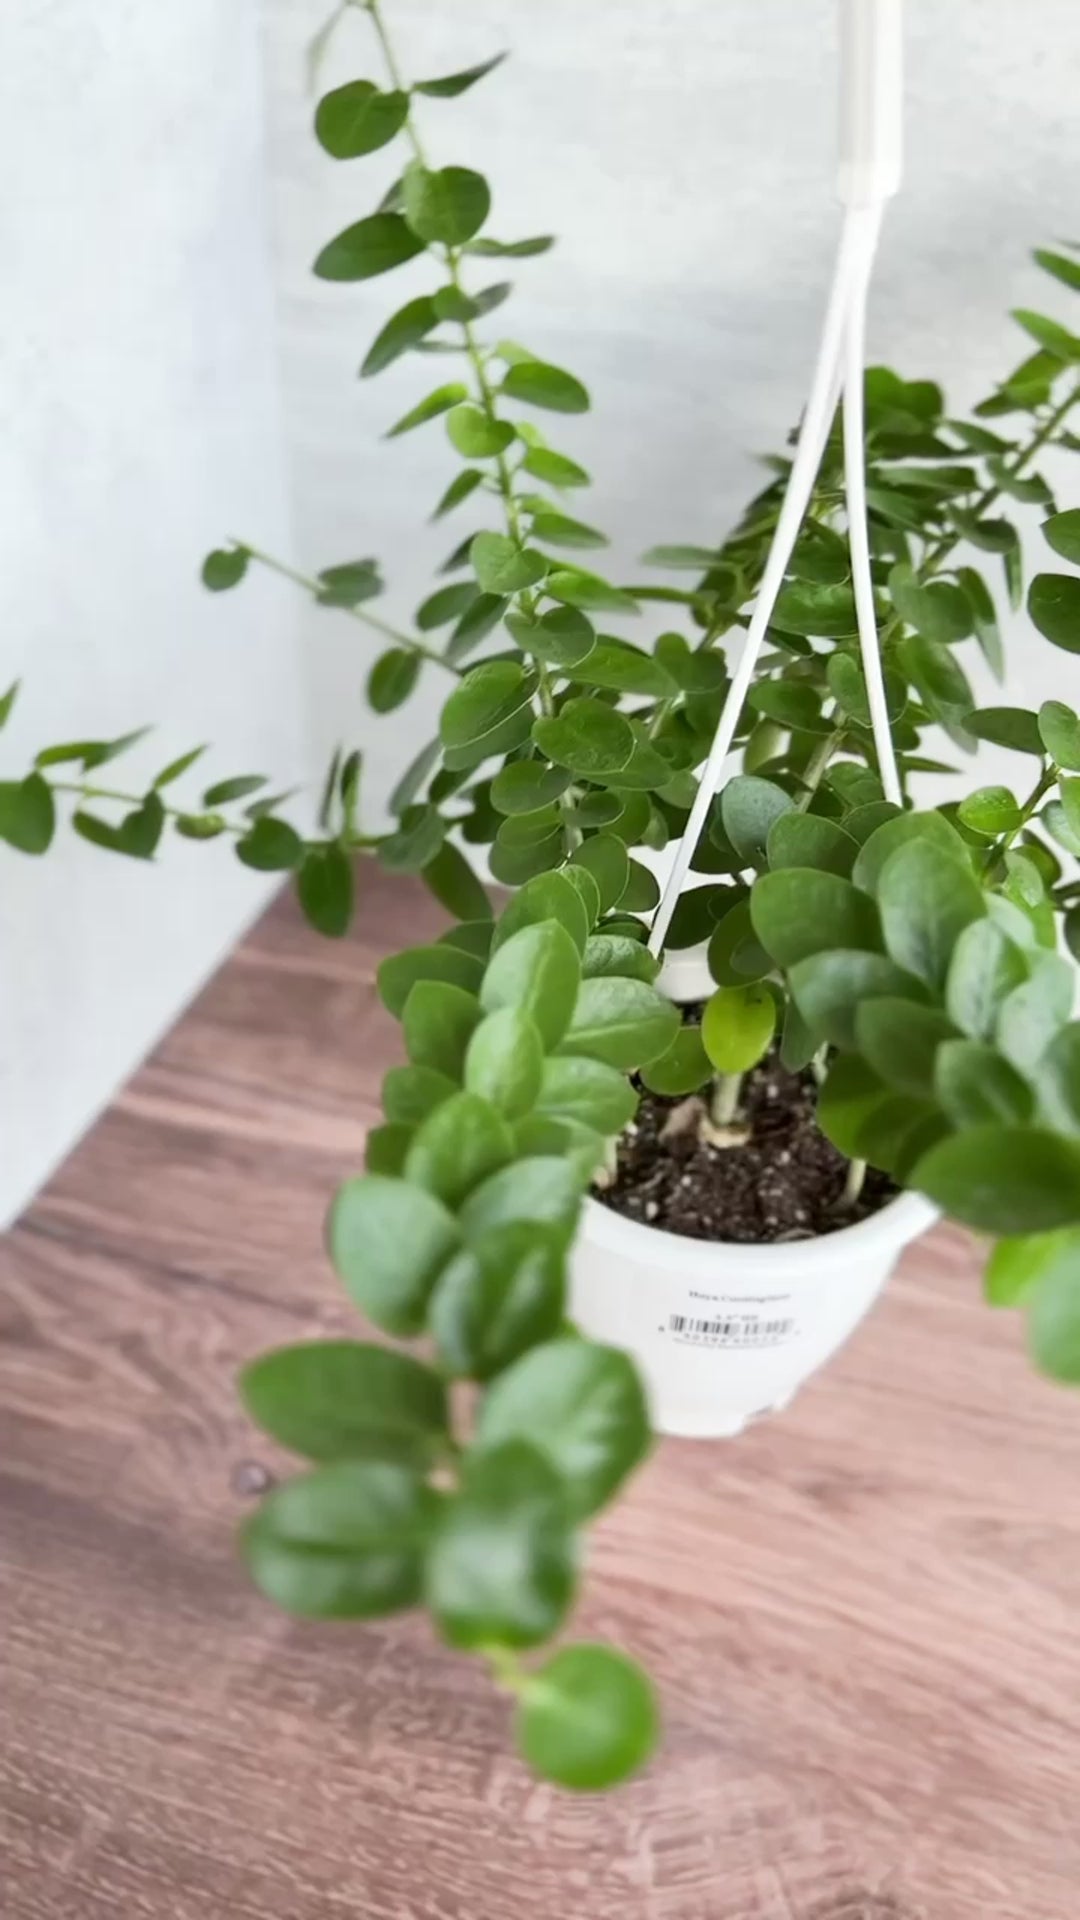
910,959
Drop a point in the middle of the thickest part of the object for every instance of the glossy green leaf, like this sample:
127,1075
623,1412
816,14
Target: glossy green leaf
1032,1013
342,1400
587,1719
926,900
828,611
749,806
441,401
561,530
850,1096
1051,336
459,1145
475,434
357,118
550,897
901,831
27,814
504,567
799,911
984,618
388,1240
582,1406
367,248
990,811
397,975
392,679
537,970
513,249
409,1094
498,1297
579,588
940,611
505,1061
1054,605
625,669
1004,1179
587,737
683,1068
501,1567
489,712
975,1085
270,846
437,1023
1057,1079
541,385
324,886
346,1542
446,206
737,1027
984,969
606,858
624,1023
616,953
829,987
456,887
1062,531
900,1040
540,1187
1059,730
808,840
554,469
225,568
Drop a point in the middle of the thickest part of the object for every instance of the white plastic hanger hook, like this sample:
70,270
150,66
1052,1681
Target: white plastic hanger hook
869,173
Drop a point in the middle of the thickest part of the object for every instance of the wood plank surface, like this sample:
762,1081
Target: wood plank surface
863,1616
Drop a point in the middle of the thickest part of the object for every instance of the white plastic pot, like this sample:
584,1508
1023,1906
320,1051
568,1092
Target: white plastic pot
724,1333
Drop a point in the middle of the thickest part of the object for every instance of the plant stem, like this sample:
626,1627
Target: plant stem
84,791
853,1185
990,495
816,766
1027,808
372,620
724,1104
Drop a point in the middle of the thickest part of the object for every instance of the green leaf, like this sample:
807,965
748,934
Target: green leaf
975,1085
436,403
683,1068
341,1400
587,1719
735,956
346,1542
990,811
504,567
586,736
1059,730
452,84
8,701
392,679
901,831
809,840
178,766
790,704
536,970
940,682
582,1407
616,953
1051,336
605,857
505,1061
984,618
476,435
459,1145
445,605
1054,605
737,1027
224,568
624,1023
1060,266
403,330
367,248
540,385
799,911
825,611
271,846
850,1096
926,900
554,469
513,249
498,1297
563,636
502,1563
748,808
1004,1179
236,788
560,530
612,663
576,587
1032,1013
421,832
199,826
1053,1325
438,1022
549,897
324,886
1057,1079
1062,530
409,1094
900,1039
357,118
388,1241
397,975
940,611
455,886
984,969
1018,1263
27,813
588,1092
445,207
525,786
489,712
537,1188
829,988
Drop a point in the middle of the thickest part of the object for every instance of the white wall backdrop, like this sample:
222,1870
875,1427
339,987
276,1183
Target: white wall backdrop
684,156
138,400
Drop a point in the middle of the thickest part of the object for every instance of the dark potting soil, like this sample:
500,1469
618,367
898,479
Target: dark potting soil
784,1181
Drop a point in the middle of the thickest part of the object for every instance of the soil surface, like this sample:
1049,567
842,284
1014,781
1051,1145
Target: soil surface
781,1180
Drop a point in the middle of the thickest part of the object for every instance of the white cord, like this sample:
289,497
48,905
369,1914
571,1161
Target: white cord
817,420
855,494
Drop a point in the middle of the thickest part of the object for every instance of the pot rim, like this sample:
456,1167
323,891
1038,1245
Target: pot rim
892,1227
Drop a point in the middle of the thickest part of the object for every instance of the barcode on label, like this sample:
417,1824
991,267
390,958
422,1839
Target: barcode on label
726,1329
